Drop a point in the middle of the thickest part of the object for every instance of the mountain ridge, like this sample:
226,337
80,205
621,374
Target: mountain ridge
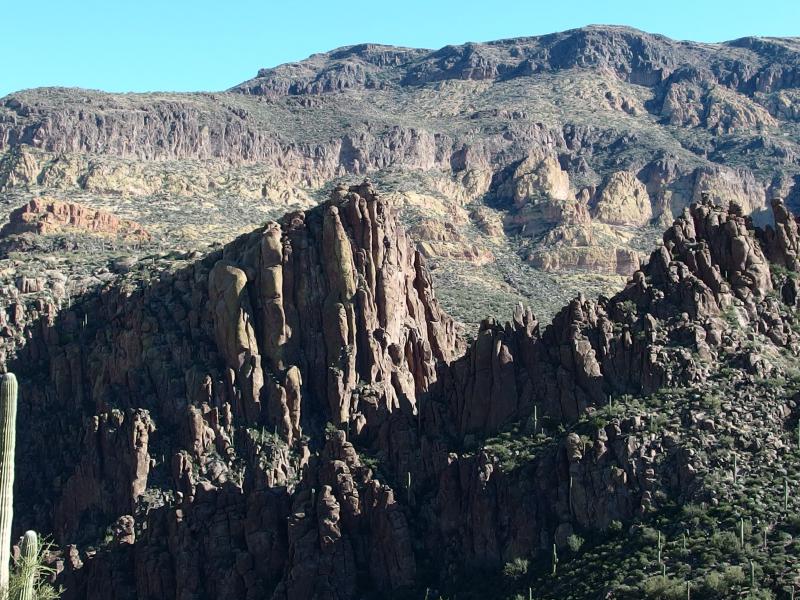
554,357
577,41
577,147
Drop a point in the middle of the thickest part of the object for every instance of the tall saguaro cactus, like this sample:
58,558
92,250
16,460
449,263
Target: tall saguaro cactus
8,432
29,565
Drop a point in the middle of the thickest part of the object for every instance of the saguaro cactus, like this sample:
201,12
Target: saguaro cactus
785,493
741,532
29,565
8,431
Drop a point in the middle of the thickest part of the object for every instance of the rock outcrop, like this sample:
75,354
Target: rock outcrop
623,200
328,316
592,259
710,258
295,417
44,216
780,240
578,120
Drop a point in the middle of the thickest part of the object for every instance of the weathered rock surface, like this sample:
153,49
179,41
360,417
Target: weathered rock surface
780,240
623,200
561,115
324,317
437,239
621,261
710,258
174,433
44,216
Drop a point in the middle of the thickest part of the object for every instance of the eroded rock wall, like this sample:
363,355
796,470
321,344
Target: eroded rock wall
180,425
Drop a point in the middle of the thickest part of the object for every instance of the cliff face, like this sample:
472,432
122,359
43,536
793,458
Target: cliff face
326,317
735,86
293,415
621,129
174,434
710,259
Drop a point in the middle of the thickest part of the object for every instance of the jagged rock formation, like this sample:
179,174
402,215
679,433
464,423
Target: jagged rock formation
329,316
179,424
780,240
595,349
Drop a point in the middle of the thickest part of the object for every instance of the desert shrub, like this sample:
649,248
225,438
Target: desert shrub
664,588
516,569
575,542
615,526
722,583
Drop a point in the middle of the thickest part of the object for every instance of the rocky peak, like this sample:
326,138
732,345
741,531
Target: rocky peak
588,104
780,240
710,260
328,315
294,416
623,200
632,55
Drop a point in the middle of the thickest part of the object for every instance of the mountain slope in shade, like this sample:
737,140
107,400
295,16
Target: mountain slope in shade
294,416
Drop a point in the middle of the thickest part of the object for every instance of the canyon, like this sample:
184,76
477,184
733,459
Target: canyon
505,320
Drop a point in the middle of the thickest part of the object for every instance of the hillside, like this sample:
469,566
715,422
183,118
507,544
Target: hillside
527,169
515,319
294,416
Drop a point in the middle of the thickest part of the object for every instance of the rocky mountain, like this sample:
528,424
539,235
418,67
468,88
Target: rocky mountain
237,381
515,160
295,416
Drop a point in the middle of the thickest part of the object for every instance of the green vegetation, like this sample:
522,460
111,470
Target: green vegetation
28,564
737,536
30,579
631,562
516,447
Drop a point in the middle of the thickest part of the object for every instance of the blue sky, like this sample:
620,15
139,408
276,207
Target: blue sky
149,45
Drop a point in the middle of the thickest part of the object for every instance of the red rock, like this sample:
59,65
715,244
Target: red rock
45,217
